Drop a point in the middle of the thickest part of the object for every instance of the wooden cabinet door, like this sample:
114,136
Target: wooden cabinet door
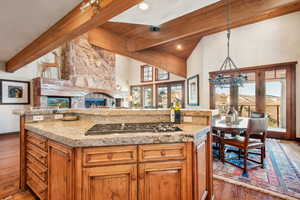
163,181
60,174
117,182
201,191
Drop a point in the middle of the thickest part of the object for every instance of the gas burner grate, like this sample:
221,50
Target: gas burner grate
100,129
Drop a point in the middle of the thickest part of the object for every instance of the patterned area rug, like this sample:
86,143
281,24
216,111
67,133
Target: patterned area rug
280,173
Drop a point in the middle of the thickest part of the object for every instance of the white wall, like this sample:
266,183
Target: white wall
275,40
8,121
122,72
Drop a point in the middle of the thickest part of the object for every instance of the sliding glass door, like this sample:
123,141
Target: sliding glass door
269,89
275,98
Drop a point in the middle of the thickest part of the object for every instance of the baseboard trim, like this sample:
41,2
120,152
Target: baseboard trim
251,187
9,133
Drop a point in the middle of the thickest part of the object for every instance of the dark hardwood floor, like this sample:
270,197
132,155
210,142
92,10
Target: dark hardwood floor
9,175
9,164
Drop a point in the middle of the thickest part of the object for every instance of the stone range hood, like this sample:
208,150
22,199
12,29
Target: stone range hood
64,88
44,88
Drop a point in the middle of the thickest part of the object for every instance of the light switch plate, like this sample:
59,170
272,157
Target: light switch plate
187,119
38,118
58,116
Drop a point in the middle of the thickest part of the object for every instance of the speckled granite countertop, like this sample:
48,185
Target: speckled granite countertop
110,112
73,134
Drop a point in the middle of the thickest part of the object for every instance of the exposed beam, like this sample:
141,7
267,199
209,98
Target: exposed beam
72,25
117,44
211,19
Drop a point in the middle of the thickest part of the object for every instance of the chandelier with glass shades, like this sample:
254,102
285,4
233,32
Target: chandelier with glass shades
224,79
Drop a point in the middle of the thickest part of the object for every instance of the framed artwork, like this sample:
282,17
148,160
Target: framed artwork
193,91
14,92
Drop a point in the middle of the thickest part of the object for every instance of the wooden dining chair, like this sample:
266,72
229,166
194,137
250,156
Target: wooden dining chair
217,140
246,143
259,136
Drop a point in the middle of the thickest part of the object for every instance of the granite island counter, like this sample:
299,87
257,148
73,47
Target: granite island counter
59,161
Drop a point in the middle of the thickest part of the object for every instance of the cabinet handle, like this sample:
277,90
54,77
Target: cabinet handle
109,156
141,176
162,153
133,177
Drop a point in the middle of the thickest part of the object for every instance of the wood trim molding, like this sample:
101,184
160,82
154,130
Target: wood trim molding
115,43
72,25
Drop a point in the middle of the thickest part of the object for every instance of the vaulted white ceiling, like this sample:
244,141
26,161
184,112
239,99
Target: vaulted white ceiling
161,11
22,21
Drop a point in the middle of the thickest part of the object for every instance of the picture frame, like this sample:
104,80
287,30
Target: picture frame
14,92
193,91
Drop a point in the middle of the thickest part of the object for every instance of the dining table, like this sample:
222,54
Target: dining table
220,125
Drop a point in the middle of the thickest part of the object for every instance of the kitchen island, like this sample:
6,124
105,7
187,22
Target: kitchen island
59,161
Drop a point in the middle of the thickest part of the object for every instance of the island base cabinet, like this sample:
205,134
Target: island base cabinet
163,181
60,172
201,190
117,182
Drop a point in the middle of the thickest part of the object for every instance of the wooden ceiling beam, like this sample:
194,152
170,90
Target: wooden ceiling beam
211,19
72,25
115,43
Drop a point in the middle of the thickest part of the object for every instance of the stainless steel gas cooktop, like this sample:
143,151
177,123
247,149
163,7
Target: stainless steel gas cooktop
132,128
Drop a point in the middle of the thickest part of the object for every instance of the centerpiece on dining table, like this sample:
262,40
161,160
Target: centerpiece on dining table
232,116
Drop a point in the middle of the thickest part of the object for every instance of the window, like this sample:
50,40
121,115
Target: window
168,94
146,73
147,96
247,96
161,75
142,96
162,97
136,97
222,96
275,98
177,95
270,89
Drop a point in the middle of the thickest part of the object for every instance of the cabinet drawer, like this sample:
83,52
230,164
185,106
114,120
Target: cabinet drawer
36,167
37,186
109,155
37,140
162,152
37,153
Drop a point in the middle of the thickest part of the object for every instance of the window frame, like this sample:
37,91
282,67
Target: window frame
168,85
157,77
143,73
142,93
290,68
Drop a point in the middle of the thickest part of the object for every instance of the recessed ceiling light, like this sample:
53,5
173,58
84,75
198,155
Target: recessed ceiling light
143,6
179,47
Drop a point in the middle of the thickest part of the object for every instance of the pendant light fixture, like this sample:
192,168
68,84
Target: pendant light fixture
224,79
